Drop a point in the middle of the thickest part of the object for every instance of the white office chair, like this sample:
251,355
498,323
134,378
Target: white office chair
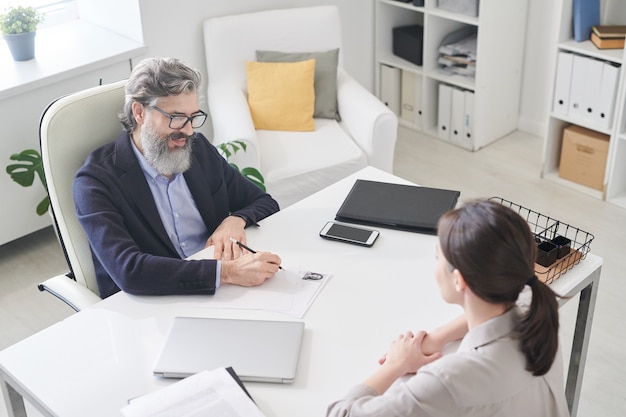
294,164
71,128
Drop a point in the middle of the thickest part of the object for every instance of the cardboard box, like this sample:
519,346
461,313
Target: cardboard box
583,156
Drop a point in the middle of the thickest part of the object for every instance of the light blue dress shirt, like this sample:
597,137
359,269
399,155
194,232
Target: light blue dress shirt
178,211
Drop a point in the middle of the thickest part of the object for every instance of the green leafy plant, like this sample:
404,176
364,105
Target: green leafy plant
228,149
24,173
20,19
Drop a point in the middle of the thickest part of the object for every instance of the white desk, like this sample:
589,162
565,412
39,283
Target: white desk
93,362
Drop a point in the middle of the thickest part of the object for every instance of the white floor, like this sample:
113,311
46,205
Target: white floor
509,168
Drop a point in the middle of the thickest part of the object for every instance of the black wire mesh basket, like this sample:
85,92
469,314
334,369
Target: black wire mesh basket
560,246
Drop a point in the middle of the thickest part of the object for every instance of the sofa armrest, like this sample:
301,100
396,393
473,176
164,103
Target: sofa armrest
231,119
69,291
368,121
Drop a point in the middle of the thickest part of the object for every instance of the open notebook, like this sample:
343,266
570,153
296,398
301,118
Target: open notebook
257,350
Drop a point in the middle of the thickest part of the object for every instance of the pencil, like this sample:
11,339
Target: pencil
249,249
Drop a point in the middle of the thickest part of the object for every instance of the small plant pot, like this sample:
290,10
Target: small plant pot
21,45
546,253
562,245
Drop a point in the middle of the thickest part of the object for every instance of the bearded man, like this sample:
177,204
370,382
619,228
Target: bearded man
161,192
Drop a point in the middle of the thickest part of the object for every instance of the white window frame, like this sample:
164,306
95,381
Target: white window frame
56,11
77,56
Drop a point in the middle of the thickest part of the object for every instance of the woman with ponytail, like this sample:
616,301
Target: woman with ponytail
507,364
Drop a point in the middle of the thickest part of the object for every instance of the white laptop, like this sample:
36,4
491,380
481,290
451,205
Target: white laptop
257,350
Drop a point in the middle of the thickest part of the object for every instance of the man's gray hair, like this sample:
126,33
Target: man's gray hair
154,78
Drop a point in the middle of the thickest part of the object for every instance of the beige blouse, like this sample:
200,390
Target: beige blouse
485,377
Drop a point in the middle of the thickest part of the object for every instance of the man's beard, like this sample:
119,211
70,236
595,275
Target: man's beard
166,161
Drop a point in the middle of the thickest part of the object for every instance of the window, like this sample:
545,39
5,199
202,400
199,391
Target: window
56,11
82,35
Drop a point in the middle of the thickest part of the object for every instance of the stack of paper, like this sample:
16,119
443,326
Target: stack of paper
457,54
208,393
289,291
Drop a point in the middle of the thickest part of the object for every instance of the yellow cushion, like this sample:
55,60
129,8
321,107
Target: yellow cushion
281,95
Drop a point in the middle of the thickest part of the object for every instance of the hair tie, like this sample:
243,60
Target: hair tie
531,281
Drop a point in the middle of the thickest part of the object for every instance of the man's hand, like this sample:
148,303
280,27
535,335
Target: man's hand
250,270
231,226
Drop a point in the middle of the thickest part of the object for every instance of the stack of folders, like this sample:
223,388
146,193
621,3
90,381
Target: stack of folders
206,393
401,91
455,117
411,98
585,89
608,37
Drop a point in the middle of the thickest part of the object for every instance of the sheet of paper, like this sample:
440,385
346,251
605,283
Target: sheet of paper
287,292
208,393
307,287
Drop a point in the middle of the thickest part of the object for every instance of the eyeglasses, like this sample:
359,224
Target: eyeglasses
178,121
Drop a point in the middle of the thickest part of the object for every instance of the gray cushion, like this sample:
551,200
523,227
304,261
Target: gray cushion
325,83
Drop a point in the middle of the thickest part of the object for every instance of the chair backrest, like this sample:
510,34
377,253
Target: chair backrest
230,41
71,128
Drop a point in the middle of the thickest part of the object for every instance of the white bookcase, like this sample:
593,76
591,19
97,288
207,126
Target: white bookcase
613,12
501,27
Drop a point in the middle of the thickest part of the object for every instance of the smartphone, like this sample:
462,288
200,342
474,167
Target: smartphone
349,234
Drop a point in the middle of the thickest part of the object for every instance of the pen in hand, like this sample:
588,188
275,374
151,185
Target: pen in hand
241,245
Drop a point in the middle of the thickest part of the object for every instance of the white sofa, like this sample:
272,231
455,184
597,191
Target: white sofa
294,164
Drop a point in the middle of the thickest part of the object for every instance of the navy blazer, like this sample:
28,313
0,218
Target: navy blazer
130,247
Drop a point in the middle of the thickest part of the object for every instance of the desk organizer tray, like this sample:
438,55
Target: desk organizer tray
554,238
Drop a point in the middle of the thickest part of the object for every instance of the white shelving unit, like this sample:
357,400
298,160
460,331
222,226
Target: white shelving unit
613,12
501,27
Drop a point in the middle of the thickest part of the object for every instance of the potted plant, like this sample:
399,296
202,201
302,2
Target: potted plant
24,172
227,149
18,26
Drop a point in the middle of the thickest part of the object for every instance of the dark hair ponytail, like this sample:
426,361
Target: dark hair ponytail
538,329
494,249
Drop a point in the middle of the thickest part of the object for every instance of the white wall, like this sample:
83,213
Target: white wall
20,130
120,16
539,58
179,34
176,31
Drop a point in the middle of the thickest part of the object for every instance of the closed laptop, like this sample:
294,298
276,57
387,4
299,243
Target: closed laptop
399,206
257,350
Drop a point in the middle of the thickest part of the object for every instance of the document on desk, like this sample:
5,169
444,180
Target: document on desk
291,291
207,393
